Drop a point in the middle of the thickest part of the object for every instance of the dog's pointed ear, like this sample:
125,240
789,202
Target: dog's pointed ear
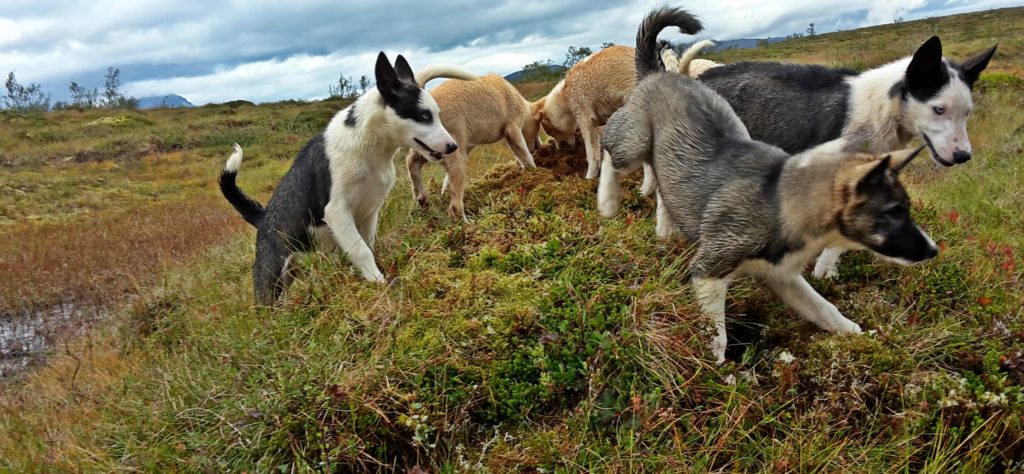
872,174
387,80
925,69
403,70
974,66
902,158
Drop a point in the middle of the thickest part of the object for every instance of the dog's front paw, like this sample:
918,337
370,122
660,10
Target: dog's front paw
376,277
718,348
838,323
824,270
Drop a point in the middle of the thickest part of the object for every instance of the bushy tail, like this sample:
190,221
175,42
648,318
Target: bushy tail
690,53
251,210
430,73
647,60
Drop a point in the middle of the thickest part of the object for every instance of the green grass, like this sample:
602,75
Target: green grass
539,336
962,36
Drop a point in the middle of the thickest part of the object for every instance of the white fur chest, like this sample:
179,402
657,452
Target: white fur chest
794,262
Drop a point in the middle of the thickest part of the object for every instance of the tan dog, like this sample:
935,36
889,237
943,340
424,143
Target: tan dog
592,91
476,113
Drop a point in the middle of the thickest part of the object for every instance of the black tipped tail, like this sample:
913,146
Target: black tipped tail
250,209
647,57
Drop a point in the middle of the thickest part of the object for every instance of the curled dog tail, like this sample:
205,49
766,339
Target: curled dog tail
690,53
430,73
251,210
647,60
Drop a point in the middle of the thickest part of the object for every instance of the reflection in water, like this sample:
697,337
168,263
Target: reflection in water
27,337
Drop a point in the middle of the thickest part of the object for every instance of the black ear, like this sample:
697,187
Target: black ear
876,176
403,70
974,66
387,81
926,71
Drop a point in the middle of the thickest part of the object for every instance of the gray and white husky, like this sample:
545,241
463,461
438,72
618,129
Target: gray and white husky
796,107
752,208
334,191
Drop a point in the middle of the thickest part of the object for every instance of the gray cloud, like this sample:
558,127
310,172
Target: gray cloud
268,50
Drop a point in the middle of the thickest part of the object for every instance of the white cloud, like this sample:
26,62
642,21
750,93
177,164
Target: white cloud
270,50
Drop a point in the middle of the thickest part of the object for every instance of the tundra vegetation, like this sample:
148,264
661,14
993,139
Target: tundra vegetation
536,337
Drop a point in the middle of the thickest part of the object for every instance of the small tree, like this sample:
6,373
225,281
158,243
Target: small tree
763,43
576,54
811,31
21,98
607,44
364,84
112,86
345,88
538,71
83,98
112,96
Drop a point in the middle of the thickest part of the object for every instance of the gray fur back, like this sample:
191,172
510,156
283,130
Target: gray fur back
793,106
711,175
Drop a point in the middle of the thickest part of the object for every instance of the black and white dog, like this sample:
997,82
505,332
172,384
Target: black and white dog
797,107
334,191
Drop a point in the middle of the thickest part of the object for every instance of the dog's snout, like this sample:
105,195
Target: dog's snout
961,156
451,148
931,253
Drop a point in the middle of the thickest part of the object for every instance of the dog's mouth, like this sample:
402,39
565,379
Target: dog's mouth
935,154
437,156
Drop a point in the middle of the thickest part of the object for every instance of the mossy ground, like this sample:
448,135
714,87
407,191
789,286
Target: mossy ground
540,337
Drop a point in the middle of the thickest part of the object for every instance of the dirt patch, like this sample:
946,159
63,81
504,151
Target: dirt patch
563,162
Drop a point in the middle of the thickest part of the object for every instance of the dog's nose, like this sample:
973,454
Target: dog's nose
931,252
961,156
451,148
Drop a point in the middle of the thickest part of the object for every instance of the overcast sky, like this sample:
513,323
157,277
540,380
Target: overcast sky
209,51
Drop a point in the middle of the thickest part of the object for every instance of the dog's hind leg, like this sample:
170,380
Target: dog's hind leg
827,265
710,294
591,143
794,290
456,166
516,142
664,228
609,191
414,162
270,272
343,225
650,183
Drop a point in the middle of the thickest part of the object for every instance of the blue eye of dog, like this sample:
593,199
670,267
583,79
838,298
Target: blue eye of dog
939,110
425,116
895,211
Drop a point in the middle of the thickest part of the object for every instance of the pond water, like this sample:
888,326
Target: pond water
27,337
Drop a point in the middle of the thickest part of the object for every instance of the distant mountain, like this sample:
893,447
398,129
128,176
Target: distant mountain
742,43
516,76
170,101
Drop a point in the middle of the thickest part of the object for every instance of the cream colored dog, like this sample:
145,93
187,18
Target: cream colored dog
476,113
592,91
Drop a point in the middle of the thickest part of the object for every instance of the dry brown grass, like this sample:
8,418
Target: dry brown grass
98,261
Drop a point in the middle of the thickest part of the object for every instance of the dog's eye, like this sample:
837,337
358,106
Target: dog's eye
939,110
896,211
424,116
